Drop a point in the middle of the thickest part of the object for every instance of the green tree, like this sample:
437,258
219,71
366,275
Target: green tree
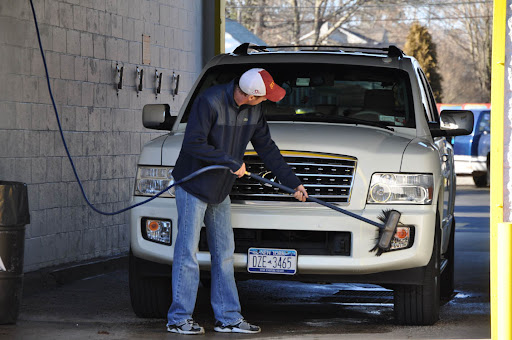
419,44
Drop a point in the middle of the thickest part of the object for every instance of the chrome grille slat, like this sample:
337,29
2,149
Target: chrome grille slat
329,178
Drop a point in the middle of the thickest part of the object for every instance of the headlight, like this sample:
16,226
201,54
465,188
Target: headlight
151,180
158,231
401,188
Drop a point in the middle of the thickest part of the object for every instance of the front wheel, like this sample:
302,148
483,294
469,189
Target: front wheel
150,288
419,304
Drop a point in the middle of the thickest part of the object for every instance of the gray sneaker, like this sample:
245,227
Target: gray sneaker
188,327
241,327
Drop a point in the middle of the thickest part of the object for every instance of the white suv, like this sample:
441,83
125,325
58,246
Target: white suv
361,130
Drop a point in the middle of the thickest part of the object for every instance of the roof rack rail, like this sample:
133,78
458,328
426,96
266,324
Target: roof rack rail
392,50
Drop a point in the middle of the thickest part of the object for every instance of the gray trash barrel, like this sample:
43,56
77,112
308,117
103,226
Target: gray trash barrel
14,215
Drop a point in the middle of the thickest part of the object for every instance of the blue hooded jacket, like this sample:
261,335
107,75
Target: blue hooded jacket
218,132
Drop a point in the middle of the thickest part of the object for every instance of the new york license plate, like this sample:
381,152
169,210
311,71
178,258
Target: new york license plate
272,261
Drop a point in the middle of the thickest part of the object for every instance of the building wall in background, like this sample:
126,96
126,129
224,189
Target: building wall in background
83,41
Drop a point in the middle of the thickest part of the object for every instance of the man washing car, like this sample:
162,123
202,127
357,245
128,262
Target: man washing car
223,120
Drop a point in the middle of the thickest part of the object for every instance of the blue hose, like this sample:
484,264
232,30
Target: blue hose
189,177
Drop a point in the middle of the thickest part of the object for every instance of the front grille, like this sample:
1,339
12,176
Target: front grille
326,177
306,242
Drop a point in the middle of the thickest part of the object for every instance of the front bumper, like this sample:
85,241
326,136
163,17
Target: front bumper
303,216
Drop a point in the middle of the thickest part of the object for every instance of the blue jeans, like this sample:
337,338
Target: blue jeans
185,269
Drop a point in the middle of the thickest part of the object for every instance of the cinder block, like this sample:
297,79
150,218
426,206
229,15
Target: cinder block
92,20
106,120
66,15
31,143
159,37
8,114
107,72
135,52
104,26
36,64
82,119
94,168
93,74
124,237
74,93
52,13
165,15
23,170
79,18
111,6
7,165
124,97
59,39
54,218
67,63
99,46
86,45
128,28
59,91
169,37
39,117
73,42
107,167
100,95
135,143
46,146
122,50
94,120
111,48
88,94
33,202
53,169
23,116
165,59
81,69
138,30
38,223
68,117
116,24
101,144
48,248
125,189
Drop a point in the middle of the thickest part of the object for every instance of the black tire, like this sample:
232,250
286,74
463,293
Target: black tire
448,274
483,180
150,295
419,304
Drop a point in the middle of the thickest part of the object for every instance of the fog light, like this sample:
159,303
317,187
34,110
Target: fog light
402,238
158,231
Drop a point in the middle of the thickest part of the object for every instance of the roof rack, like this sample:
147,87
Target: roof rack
392,50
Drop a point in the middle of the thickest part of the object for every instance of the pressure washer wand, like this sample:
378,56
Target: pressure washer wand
386,230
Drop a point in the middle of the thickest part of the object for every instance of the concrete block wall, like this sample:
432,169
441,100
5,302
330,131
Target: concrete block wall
83,42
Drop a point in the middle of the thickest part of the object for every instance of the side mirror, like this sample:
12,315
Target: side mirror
453,123
158,117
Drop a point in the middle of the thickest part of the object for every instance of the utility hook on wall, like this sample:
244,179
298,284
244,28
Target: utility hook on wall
158,87
140,80
175,83
119,77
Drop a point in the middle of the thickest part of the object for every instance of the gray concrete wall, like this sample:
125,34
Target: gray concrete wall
83,40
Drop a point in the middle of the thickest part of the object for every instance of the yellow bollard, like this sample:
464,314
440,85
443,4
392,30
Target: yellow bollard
499,323
503,279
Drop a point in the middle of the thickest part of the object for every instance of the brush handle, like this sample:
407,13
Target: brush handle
314,199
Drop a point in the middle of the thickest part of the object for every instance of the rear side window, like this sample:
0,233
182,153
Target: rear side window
329,93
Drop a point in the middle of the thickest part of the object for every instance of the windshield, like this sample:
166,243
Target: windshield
330,93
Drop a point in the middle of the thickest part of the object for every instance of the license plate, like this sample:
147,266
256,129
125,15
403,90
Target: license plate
272,261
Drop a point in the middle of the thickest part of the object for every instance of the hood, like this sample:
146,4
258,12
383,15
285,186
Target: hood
375,149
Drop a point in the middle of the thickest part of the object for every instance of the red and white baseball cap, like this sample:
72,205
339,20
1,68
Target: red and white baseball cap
258,82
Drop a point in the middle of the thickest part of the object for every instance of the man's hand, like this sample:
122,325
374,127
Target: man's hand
300,193
240,172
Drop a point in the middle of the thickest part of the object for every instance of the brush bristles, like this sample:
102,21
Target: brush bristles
383,217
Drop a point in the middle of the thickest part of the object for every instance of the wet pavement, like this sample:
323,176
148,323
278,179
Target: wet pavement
99,307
